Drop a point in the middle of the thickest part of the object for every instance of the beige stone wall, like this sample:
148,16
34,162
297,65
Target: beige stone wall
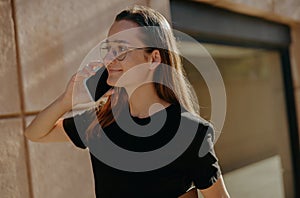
286,11
8,63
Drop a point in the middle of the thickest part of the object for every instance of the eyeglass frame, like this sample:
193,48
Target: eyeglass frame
123,54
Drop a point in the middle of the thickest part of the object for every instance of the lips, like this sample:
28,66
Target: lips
110,70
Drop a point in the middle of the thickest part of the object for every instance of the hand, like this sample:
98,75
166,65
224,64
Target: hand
75,92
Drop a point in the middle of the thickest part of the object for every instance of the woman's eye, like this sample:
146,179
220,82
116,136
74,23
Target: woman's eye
107,48
122,48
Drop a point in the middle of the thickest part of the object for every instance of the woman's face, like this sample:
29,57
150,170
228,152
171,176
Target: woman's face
122,55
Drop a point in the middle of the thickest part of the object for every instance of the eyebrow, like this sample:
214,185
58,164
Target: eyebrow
117,41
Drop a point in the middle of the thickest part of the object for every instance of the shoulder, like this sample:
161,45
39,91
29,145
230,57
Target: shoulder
203,130
191,118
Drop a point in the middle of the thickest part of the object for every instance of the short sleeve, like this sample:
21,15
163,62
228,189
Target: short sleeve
204,168
76,127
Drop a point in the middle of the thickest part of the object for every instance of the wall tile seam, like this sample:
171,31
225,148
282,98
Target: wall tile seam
9,115
148,3
21,96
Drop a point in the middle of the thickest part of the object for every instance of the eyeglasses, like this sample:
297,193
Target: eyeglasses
118,50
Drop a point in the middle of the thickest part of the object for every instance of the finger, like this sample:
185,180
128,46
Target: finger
80,75
88,71
94,65
77,77
109,92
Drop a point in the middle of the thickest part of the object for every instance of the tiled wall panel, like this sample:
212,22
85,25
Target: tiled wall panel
60,170
265,5
287,8
13,171
9,95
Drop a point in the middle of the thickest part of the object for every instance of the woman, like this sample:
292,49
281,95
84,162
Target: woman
136,66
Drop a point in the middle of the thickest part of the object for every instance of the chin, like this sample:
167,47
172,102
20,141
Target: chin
116,81
110,83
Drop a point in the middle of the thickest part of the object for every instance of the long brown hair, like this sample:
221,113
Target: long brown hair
178,89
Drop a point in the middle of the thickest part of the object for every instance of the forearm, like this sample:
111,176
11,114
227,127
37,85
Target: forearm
46,119
217,190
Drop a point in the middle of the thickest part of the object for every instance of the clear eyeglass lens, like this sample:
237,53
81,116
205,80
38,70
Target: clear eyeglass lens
118,51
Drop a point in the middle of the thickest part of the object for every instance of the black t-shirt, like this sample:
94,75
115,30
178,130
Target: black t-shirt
196,163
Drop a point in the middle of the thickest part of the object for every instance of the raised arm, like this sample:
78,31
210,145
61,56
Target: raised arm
47,125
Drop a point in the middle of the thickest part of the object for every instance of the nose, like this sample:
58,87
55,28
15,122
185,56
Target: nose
109,59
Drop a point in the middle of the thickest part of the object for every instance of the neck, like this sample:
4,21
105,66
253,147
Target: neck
143,101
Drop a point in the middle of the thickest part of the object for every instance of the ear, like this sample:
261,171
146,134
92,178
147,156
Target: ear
155,59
